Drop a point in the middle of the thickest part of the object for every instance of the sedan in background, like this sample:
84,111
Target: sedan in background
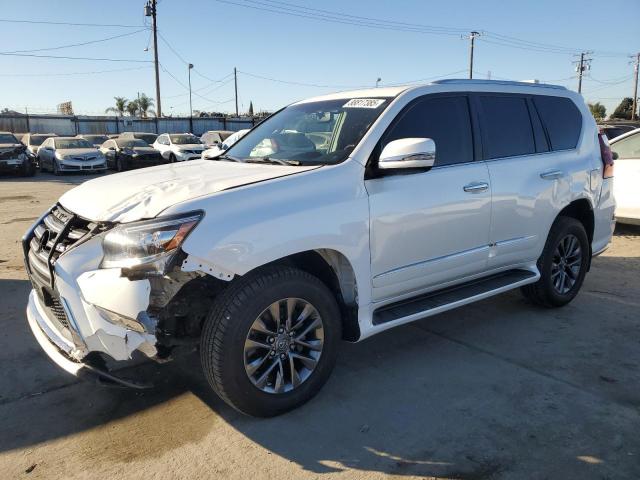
613,131
13,156
217,150
214,137
146,136
125,153
95,140
626,149
178,147
34,140
70,154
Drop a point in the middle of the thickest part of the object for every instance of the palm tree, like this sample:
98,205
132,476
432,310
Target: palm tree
132,107
144,104
121,104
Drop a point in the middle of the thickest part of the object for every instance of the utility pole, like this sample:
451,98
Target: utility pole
472,37
151,10
235,81
582,65
378,82
190,106
636,67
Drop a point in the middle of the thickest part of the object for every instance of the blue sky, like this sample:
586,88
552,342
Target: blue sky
217,36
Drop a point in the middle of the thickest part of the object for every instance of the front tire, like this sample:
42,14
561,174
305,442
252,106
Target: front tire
172,158
119,167
562,265
270,341
56,167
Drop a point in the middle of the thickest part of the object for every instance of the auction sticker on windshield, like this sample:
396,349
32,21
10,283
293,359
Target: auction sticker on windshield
363,103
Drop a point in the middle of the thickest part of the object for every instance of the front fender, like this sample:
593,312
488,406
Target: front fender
250,226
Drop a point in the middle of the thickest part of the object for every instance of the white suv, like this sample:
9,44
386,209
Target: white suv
336,218
178,147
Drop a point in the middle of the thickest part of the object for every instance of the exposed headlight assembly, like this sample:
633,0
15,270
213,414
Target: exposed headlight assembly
149,246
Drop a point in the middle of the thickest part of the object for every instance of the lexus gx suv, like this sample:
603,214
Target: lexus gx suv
338,217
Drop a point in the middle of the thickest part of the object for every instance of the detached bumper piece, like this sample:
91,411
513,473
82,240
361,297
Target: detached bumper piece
61,349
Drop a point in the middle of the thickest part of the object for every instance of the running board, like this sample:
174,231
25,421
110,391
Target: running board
452,297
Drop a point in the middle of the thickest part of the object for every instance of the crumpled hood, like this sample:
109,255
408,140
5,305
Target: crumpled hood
144,193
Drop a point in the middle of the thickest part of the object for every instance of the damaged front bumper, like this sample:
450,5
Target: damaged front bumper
65,353
84,315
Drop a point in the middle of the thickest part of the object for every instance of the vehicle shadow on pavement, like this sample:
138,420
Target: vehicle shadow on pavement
498,388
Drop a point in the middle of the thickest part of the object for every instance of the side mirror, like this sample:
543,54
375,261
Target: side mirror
408,153
614,155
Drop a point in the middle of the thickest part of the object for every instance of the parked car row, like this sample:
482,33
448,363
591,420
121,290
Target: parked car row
99,152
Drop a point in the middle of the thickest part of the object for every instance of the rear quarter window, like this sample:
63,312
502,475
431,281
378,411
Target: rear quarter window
562,120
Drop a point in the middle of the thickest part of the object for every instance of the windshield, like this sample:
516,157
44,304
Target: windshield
124,143
95,138
147,137
314,133
36,140
184,139
66,143
8,138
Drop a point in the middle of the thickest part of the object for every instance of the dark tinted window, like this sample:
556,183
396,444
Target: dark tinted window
445,120
542,145
506,127
562,120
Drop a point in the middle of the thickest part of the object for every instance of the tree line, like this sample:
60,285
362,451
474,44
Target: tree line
622,111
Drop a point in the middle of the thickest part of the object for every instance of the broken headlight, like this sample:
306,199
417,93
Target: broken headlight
147,245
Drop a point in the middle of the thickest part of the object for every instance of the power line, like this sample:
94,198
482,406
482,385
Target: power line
43,22
284,8
90,42
75,58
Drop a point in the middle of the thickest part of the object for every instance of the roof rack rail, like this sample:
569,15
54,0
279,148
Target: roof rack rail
462,81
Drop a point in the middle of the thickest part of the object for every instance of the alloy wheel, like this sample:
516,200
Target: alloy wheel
566,264
283,346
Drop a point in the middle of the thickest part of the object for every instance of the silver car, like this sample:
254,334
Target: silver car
69,154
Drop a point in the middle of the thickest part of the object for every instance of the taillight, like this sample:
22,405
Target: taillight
607,156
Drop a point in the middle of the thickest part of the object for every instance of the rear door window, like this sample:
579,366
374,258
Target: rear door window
562,120
445,120
506,126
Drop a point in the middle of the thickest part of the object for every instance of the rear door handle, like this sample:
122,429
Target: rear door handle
552,175
476,187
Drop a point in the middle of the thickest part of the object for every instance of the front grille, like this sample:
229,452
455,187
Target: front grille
52,237
85,159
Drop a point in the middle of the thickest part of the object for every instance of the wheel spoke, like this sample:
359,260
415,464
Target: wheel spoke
306,311
256,364
313,325
259,326
262,380
315,345
274,309
252,343
308,362
295,378
291,305
279,386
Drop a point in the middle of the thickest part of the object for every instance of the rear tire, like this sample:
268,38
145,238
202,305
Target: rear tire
260,366
562,265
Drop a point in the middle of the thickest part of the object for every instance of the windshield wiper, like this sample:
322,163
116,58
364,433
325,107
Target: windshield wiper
229,158
273,161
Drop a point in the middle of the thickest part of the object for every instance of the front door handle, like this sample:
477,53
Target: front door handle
476,187
552,175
